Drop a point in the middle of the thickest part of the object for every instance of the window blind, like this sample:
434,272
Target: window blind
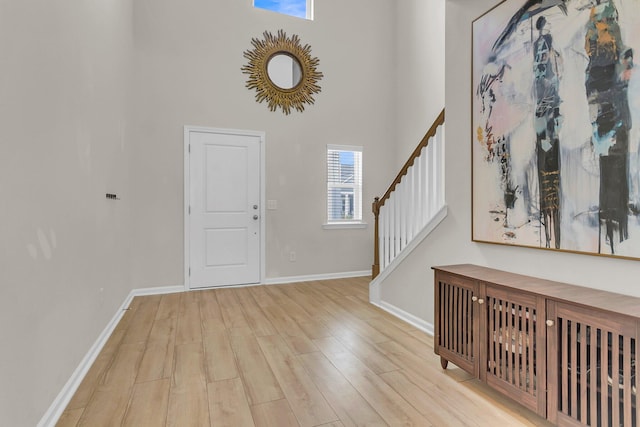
344,183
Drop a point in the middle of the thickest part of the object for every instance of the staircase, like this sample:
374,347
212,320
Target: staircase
411,208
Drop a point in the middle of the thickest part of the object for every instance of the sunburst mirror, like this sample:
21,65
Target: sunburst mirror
282,72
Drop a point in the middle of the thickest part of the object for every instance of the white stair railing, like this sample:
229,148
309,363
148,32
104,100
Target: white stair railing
414,198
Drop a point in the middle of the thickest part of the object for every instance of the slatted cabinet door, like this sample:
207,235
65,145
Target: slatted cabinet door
457,321
513,351
596,356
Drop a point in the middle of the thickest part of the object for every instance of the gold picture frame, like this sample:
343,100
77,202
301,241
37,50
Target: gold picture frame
305,83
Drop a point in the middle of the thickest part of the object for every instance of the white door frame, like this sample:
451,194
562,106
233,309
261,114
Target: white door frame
187,194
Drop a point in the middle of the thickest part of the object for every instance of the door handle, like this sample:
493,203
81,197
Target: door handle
255,217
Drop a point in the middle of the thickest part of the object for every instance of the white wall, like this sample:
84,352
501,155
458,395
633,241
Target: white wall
95,95
420,98
420,71
62,147
410,287
187,72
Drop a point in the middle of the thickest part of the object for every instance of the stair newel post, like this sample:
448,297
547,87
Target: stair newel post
375,268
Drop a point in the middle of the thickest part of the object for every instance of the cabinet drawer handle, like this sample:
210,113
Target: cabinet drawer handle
550,322
474,299
480,301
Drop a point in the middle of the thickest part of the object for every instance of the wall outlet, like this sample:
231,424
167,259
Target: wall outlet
292,256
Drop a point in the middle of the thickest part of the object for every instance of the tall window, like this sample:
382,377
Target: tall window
299,8
344,184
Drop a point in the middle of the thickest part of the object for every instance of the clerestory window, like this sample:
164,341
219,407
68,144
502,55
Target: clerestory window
298,8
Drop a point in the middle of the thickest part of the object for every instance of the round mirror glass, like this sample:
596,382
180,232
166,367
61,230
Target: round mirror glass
284,71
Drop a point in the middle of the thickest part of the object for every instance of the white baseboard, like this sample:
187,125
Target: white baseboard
375,290
419,323
328,276
161,290
58,406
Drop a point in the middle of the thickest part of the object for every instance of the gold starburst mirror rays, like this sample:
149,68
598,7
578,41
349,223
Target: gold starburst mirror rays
282,72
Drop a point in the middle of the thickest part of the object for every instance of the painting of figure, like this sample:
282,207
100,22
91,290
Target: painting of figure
546,79
555,155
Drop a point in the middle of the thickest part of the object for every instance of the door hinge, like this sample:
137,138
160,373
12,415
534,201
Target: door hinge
189,271
189,147
189,209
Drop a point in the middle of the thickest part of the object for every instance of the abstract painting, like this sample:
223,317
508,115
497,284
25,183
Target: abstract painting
556,126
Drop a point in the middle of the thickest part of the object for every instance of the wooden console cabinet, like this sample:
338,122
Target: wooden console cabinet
566,352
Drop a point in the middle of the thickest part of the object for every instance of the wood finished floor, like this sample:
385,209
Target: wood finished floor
304,354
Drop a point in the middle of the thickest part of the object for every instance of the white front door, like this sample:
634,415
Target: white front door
224,205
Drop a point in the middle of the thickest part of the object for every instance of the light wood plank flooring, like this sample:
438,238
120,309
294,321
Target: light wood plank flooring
304,354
